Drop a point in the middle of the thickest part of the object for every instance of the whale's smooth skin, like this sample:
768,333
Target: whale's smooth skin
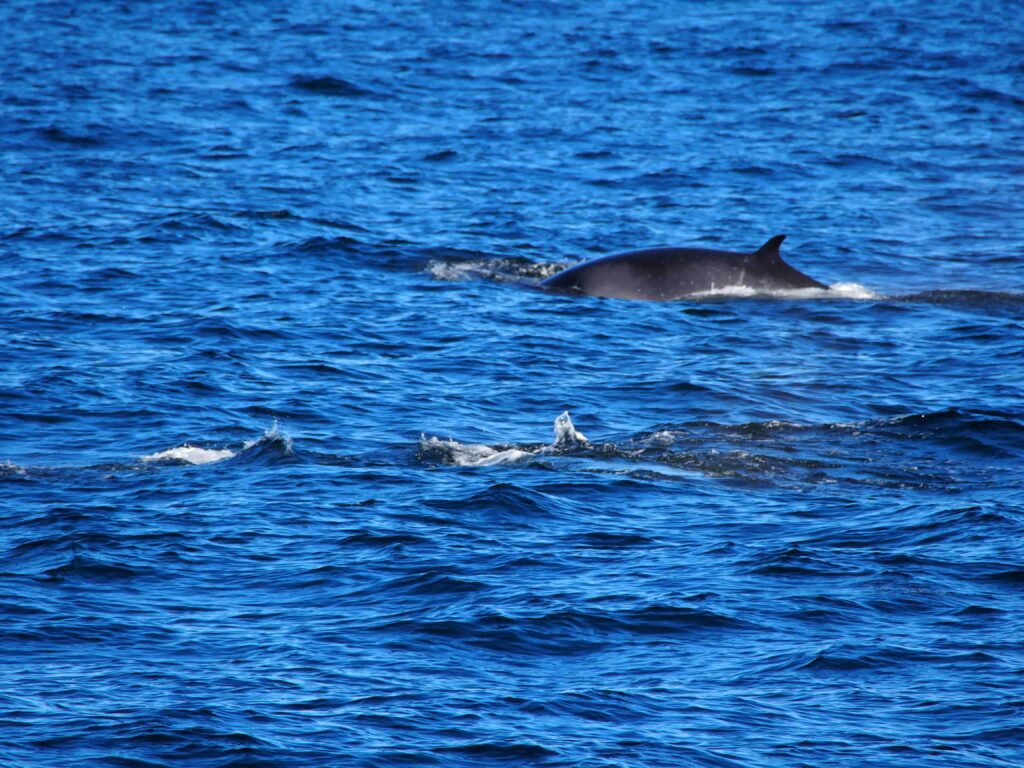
666,274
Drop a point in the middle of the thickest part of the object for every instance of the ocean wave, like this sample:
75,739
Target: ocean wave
327,245
777,528
773,452
272,446
87,568
571,631
273,441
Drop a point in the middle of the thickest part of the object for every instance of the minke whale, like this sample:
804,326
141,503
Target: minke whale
665,274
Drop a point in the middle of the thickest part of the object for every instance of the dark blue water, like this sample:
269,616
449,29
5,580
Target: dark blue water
284,476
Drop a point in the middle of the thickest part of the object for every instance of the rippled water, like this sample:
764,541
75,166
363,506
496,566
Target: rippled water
299,467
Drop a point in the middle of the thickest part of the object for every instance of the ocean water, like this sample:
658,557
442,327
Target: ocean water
298,466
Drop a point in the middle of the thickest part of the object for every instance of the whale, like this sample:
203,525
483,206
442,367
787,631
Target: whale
667,274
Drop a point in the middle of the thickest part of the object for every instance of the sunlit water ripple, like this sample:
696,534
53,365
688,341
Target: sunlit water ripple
299,467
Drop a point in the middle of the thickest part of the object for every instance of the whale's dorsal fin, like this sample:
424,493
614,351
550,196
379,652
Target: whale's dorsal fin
769,252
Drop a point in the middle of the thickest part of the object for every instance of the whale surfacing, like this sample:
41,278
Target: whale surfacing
666,274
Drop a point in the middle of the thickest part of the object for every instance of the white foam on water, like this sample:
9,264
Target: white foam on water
836,290
471,454
9,467
191,454
776,424
478,455
442,270
501,270
544,271
854,291
661,437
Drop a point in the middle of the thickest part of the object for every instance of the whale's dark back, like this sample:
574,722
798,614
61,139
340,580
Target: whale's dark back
664,274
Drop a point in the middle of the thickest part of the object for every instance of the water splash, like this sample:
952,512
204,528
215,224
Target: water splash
566,435
477,455
274,435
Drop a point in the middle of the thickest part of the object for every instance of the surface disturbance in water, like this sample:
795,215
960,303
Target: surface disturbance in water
299,466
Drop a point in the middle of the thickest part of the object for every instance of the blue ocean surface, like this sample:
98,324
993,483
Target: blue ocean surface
300,467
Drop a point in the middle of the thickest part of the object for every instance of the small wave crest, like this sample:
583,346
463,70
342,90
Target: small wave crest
271,447
273,440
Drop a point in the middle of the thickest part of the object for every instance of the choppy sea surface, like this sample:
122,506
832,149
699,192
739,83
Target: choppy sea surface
298,466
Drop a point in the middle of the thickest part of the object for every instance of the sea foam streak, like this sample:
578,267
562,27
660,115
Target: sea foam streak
502,270
478,455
